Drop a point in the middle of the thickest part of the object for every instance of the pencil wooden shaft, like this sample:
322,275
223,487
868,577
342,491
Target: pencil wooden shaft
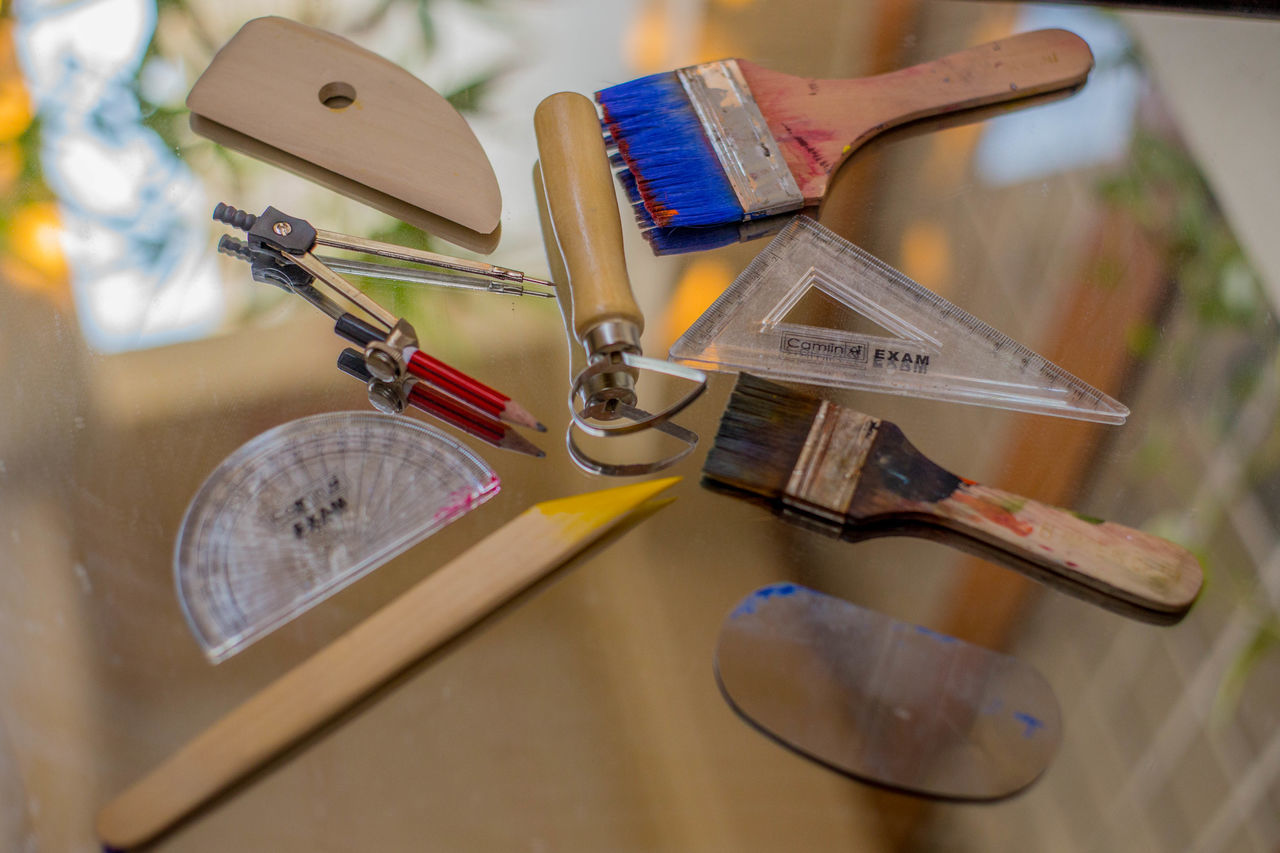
431,613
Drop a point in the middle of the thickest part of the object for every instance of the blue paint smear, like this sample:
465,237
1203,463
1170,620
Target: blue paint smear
941,638
748,606
1031,723
993,706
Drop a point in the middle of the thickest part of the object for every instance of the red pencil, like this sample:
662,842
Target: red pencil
470,389
450,409
449,379
456,412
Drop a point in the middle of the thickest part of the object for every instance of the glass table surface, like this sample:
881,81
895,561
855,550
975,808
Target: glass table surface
1124,231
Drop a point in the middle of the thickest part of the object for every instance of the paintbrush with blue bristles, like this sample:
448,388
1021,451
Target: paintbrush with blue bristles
730,140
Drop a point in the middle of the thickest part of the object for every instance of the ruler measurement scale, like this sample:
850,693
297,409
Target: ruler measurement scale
940,350
309,507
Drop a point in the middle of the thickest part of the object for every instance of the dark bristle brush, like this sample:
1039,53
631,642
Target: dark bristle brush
851,469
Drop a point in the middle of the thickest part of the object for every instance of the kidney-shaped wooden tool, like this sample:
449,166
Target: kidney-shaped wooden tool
338,106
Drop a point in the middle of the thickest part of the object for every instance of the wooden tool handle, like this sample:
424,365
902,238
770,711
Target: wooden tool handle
349,112
1017,67
436,610
819,123
584,211
1141,568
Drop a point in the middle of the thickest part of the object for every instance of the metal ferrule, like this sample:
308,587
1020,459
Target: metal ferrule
611,336
604,343
600,394
826,474
740,136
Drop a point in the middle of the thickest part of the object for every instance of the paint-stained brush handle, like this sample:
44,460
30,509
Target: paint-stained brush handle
847,468
1119,560
578,182
1015,67
821,122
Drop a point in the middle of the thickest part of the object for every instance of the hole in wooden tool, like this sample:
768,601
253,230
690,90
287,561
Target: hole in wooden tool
337,95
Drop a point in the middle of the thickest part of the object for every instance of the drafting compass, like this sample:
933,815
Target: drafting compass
397,372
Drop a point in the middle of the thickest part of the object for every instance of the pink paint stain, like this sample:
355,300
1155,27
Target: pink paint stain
994,513
461,502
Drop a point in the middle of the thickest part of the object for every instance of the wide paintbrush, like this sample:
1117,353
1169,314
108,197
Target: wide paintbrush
731,140
852,469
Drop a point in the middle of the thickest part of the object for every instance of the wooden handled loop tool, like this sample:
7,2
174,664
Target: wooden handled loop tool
578,185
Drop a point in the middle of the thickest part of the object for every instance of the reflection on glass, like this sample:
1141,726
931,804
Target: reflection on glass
131,212
1093,127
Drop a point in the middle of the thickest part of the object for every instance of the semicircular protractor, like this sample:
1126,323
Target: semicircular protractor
309,507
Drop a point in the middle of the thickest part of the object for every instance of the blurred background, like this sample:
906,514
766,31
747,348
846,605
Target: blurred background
1125,232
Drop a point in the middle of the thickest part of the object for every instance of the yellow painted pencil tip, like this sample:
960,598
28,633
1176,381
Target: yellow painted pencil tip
607,505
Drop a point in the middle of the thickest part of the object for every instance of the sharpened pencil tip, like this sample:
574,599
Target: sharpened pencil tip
516,442
514,413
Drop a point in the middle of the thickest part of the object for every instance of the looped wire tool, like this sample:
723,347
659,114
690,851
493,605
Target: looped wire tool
396,371
607,322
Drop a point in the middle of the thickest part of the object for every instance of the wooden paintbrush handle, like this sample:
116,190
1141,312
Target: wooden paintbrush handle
584,212
818,123
1017,67
1141,568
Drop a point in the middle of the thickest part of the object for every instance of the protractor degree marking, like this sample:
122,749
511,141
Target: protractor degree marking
306,509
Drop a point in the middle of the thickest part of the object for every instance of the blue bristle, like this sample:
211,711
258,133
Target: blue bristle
678,241
674,241
628,182
663,144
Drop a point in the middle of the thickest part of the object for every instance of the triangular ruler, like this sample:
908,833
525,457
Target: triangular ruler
937,350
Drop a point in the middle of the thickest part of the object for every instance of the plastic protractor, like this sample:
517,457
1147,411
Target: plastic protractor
307,508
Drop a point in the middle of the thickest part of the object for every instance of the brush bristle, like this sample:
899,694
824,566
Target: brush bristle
663,143
678,241
761,435
628,183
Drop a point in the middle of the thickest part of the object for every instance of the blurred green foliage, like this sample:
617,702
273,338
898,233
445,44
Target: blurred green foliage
1164,191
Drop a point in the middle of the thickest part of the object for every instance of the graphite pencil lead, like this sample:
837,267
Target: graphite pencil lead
514,441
